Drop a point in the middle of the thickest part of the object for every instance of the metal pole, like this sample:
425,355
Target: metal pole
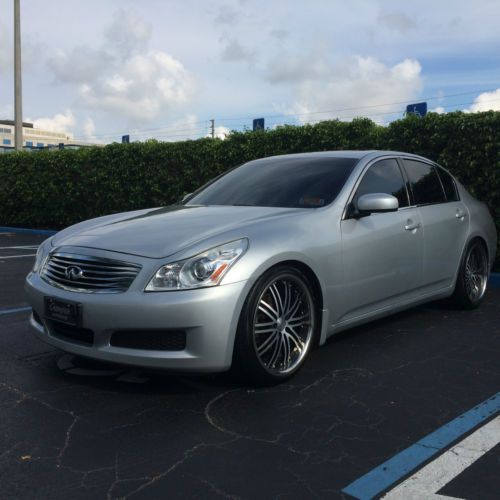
212,126
18,106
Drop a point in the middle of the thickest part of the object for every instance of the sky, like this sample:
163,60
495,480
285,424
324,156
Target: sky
163,69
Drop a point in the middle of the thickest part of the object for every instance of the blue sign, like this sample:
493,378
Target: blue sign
258,124
125,139
419,109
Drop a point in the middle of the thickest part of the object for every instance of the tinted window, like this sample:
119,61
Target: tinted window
449,186
425,183
279,182
384,177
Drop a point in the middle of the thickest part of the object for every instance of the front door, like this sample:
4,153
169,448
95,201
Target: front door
381,253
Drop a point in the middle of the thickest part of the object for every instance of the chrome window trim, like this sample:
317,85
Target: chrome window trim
362,174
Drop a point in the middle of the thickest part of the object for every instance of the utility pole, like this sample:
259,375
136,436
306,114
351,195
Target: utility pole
18,106
212,128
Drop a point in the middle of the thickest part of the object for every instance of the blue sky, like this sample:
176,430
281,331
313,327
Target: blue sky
162,68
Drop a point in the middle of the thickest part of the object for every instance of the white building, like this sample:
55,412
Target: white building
35,138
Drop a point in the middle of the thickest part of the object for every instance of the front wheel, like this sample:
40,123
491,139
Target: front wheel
472,277
276,328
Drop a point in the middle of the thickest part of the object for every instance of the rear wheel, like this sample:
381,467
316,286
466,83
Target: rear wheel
472,276
276,328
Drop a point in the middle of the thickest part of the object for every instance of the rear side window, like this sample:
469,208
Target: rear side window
384,177
424,182
449,186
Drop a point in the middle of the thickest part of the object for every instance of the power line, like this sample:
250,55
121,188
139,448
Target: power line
210,127
443,96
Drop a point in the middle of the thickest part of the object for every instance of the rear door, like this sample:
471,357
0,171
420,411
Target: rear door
382,253
444,220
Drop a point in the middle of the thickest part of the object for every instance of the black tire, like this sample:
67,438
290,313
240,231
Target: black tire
472,276
277,327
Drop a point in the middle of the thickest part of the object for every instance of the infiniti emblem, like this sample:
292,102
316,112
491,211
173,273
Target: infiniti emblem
73,273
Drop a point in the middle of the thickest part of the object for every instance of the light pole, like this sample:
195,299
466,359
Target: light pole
18,104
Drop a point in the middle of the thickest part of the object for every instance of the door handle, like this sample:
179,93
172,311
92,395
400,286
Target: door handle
412,226
460,215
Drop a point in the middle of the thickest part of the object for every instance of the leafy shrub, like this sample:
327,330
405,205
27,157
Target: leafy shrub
57,188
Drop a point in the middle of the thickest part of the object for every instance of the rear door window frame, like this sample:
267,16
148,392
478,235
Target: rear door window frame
434,167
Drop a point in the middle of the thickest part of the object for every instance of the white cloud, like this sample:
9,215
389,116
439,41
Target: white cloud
61,122
234,51
487,101
7,111
79,64
396,21
128,33
439,110
220,132
288,68
89,128
143,88
357,82
6,55
123,76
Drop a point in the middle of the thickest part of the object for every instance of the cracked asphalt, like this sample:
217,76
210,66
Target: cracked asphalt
75,429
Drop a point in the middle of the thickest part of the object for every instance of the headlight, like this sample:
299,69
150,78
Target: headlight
41,255
205,269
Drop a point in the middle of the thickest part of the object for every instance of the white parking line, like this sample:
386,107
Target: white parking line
438,473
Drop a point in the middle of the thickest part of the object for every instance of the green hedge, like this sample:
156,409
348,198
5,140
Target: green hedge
53,189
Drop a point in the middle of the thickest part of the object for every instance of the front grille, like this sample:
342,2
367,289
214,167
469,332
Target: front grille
81,273
71,333
153,340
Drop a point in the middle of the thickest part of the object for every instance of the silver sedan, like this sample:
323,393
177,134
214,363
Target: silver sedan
259,265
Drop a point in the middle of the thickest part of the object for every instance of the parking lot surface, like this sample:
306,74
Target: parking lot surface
76,429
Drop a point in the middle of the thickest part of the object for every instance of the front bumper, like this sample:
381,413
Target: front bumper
209,317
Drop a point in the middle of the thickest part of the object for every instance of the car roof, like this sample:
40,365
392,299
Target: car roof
355,154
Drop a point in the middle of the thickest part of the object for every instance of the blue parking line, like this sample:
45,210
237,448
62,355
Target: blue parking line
14,310
494,279
6,229
385,475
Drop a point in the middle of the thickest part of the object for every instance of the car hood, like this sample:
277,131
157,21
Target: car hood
162,232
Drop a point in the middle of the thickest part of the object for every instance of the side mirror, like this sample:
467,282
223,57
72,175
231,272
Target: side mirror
377,203
185,197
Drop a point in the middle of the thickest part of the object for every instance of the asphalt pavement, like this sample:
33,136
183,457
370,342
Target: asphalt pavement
70,428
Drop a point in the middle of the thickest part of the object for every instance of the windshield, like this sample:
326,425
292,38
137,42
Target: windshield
279,182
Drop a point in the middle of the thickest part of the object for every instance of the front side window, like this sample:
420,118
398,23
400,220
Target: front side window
384,177
424,182
279,182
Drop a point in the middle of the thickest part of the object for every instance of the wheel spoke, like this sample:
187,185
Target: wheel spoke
298,320
267,344
294,308
268,310
294,338
277,299
276,352
264,325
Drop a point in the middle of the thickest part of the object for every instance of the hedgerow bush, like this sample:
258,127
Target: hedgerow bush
53,189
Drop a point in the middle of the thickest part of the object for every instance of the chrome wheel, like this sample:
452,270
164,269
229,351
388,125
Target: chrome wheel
283,324
476,273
